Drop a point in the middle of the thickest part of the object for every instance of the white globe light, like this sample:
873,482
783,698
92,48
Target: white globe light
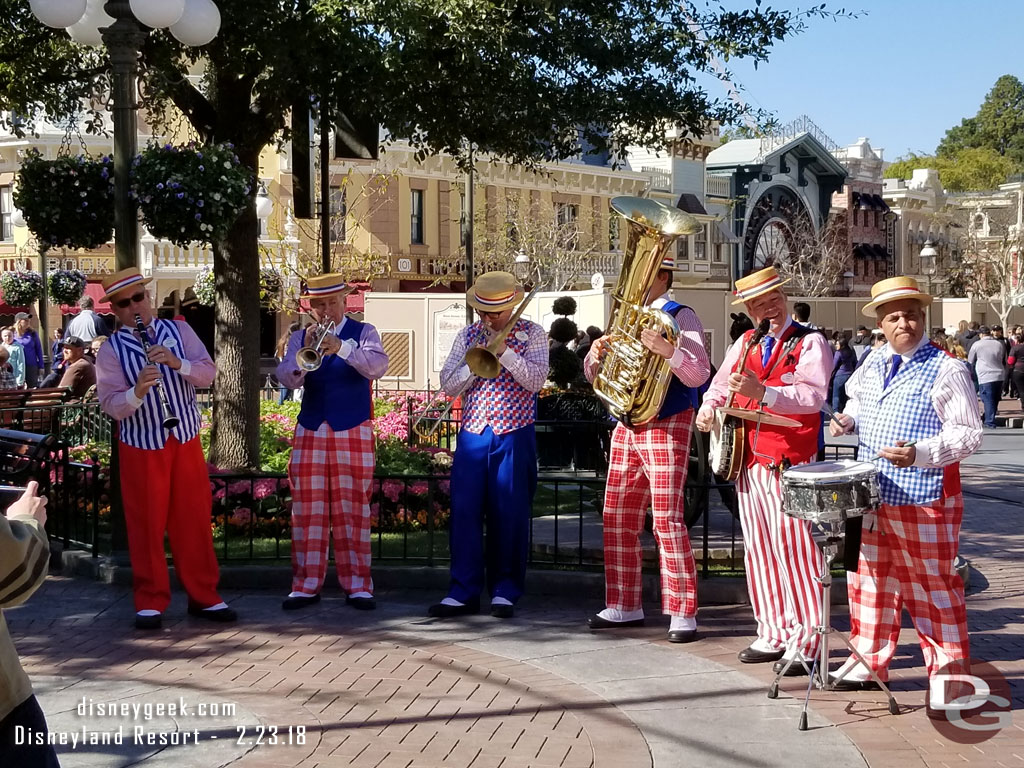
264,206
17,218
199,23
158,13
87,31
58,13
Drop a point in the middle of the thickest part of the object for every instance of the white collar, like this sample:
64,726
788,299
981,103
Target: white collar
661,301
889,351
782,331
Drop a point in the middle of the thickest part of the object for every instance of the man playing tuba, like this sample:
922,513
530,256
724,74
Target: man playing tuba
494,474
648,467
331,469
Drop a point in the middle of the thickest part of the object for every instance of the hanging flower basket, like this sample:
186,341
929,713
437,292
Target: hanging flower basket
67,202
20,289
204,287
192,193
66,286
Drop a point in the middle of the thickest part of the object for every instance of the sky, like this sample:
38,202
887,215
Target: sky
900,75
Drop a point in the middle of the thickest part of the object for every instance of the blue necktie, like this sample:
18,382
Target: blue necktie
769,344
897,360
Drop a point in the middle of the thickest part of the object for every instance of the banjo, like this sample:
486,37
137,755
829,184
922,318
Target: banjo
725,454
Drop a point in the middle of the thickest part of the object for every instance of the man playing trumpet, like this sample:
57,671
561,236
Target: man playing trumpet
165,486
331,468
494,474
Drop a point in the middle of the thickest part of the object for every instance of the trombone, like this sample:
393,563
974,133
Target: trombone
483,363
311,358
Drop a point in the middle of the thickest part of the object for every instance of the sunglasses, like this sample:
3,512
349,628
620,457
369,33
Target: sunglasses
125,303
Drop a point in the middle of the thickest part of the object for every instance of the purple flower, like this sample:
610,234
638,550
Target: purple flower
202,167
159,185
199,217
180,195
200,203
103,173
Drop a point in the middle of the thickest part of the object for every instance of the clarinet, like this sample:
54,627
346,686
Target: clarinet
170,420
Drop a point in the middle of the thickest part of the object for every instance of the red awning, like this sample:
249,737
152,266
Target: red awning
7,309
95,290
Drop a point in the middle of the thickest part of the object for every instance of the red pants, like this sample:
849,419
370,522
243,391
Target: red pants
781,560
908,559
648,467
331,473
169,491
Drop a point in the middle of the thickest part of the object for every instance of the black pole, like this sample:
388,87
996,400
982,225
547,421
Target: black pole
471,212
124,39
325,187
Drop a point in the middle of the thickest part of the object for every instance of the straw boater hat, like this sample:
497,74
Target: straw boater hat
125,280
894,289
668,261
763,281
494,292
326,285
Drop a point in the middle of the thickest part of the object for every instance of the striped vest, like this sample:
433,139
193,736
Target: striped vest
679,397
144,428
901,411
499,403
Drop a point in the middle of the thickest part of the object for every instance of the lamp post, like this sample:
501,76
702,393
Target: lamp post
847,278
122,25
929,256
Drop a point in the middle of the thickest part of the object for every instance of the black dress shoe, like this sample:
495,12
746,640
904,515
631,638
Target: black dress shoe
682,635
502,611
148,622
598,622
852,685
300,601
223,615
361,603
754,656
796,669
445,611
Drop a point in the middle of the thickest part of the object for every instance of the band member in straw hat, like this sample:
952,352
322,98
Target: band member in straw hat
331,468
165,486
788,373
494,473
914,407
648,468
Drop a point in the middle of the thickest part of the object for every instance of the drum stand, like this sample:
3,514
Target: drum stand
818,672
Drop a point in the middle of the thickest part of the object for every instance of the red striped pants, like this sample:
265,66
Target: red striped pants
647,467
781,561
331,473
908,559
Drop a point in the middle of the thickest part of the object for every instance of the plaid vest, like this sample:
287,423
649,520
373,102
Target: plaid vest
499,403
901,411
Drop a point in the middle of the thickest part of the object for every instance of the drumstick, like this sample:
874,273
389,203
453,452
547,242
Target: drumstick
878,456
831,413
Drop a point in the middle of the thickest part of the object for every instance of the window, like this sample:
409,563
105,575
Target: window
6,206
683,249
700,245
613,233
719,253
565,217
463,219
338,214
416,217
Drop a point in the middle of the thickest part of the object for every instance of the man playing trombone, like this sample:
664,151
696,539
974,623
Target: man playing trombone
165,487
335,360
494,473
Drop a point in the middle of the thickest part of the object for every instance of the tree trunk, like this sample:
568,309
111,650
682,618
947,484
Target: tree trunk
235,435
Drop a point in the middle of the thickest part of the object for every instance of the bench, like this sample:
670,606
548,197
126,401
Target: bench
26,456
32,410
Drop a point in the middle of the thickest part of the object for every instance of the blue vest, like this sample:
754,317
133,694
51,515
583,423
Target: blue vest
144,428
336,392
680,397
901,411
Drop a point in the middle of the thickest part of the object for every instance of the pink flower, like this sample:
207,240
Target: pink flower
264,487
392,489
420,488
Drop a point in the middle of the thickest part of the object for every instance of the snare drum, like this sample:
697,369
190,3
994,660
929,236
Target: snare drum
830,491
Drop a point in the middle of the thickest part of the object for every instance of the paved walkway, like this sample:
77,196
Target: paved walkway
335,687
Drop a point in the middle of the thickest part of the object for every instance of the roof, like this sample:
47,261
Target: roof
690,203
742,152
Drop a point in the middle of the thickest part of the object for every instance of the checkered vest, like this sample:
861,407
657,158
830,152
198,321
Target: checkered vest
901,411
500,403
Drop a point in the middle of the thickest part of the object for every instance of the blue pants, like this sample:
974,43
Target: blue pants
839,390
990,399
493,480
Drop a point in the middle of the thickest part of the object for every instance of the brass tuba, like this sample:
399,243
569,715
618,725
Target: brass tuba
632,381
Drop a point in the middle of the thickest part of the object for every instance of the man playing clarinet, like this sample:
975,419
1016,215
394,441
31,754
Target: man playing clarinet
165,486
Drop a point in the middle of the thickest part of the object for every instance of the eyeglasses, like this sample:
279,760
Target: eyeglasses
125,303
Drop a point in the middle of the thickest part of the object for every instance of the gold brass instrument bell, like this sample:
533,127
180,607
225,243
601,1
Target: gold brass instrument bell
311,358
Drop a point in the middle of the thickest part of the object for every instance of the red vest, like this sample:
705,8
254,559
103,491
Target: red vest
797,444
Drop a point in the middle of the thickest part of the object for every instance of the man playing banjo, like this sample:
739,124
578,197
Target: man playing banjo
786,373
914,407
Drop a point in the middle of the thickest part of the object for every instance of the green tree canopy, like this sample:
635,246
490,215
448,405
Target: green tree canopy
526,80
999,124
970,169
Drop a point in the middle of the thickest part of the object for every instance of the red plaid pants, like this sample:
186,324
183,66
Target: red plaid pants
331,474
907,558
781,560
648,468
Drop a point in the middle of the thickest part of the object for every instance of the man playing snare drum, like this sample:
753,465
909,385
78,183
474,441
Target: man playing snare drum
914,406
788,373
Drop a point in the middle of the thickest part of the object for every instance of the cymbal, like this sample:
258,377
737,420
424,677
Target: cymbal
760,416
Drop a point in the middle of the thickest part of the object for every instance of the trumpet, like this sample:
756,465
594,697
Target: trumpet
483,363
311,358
170,420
